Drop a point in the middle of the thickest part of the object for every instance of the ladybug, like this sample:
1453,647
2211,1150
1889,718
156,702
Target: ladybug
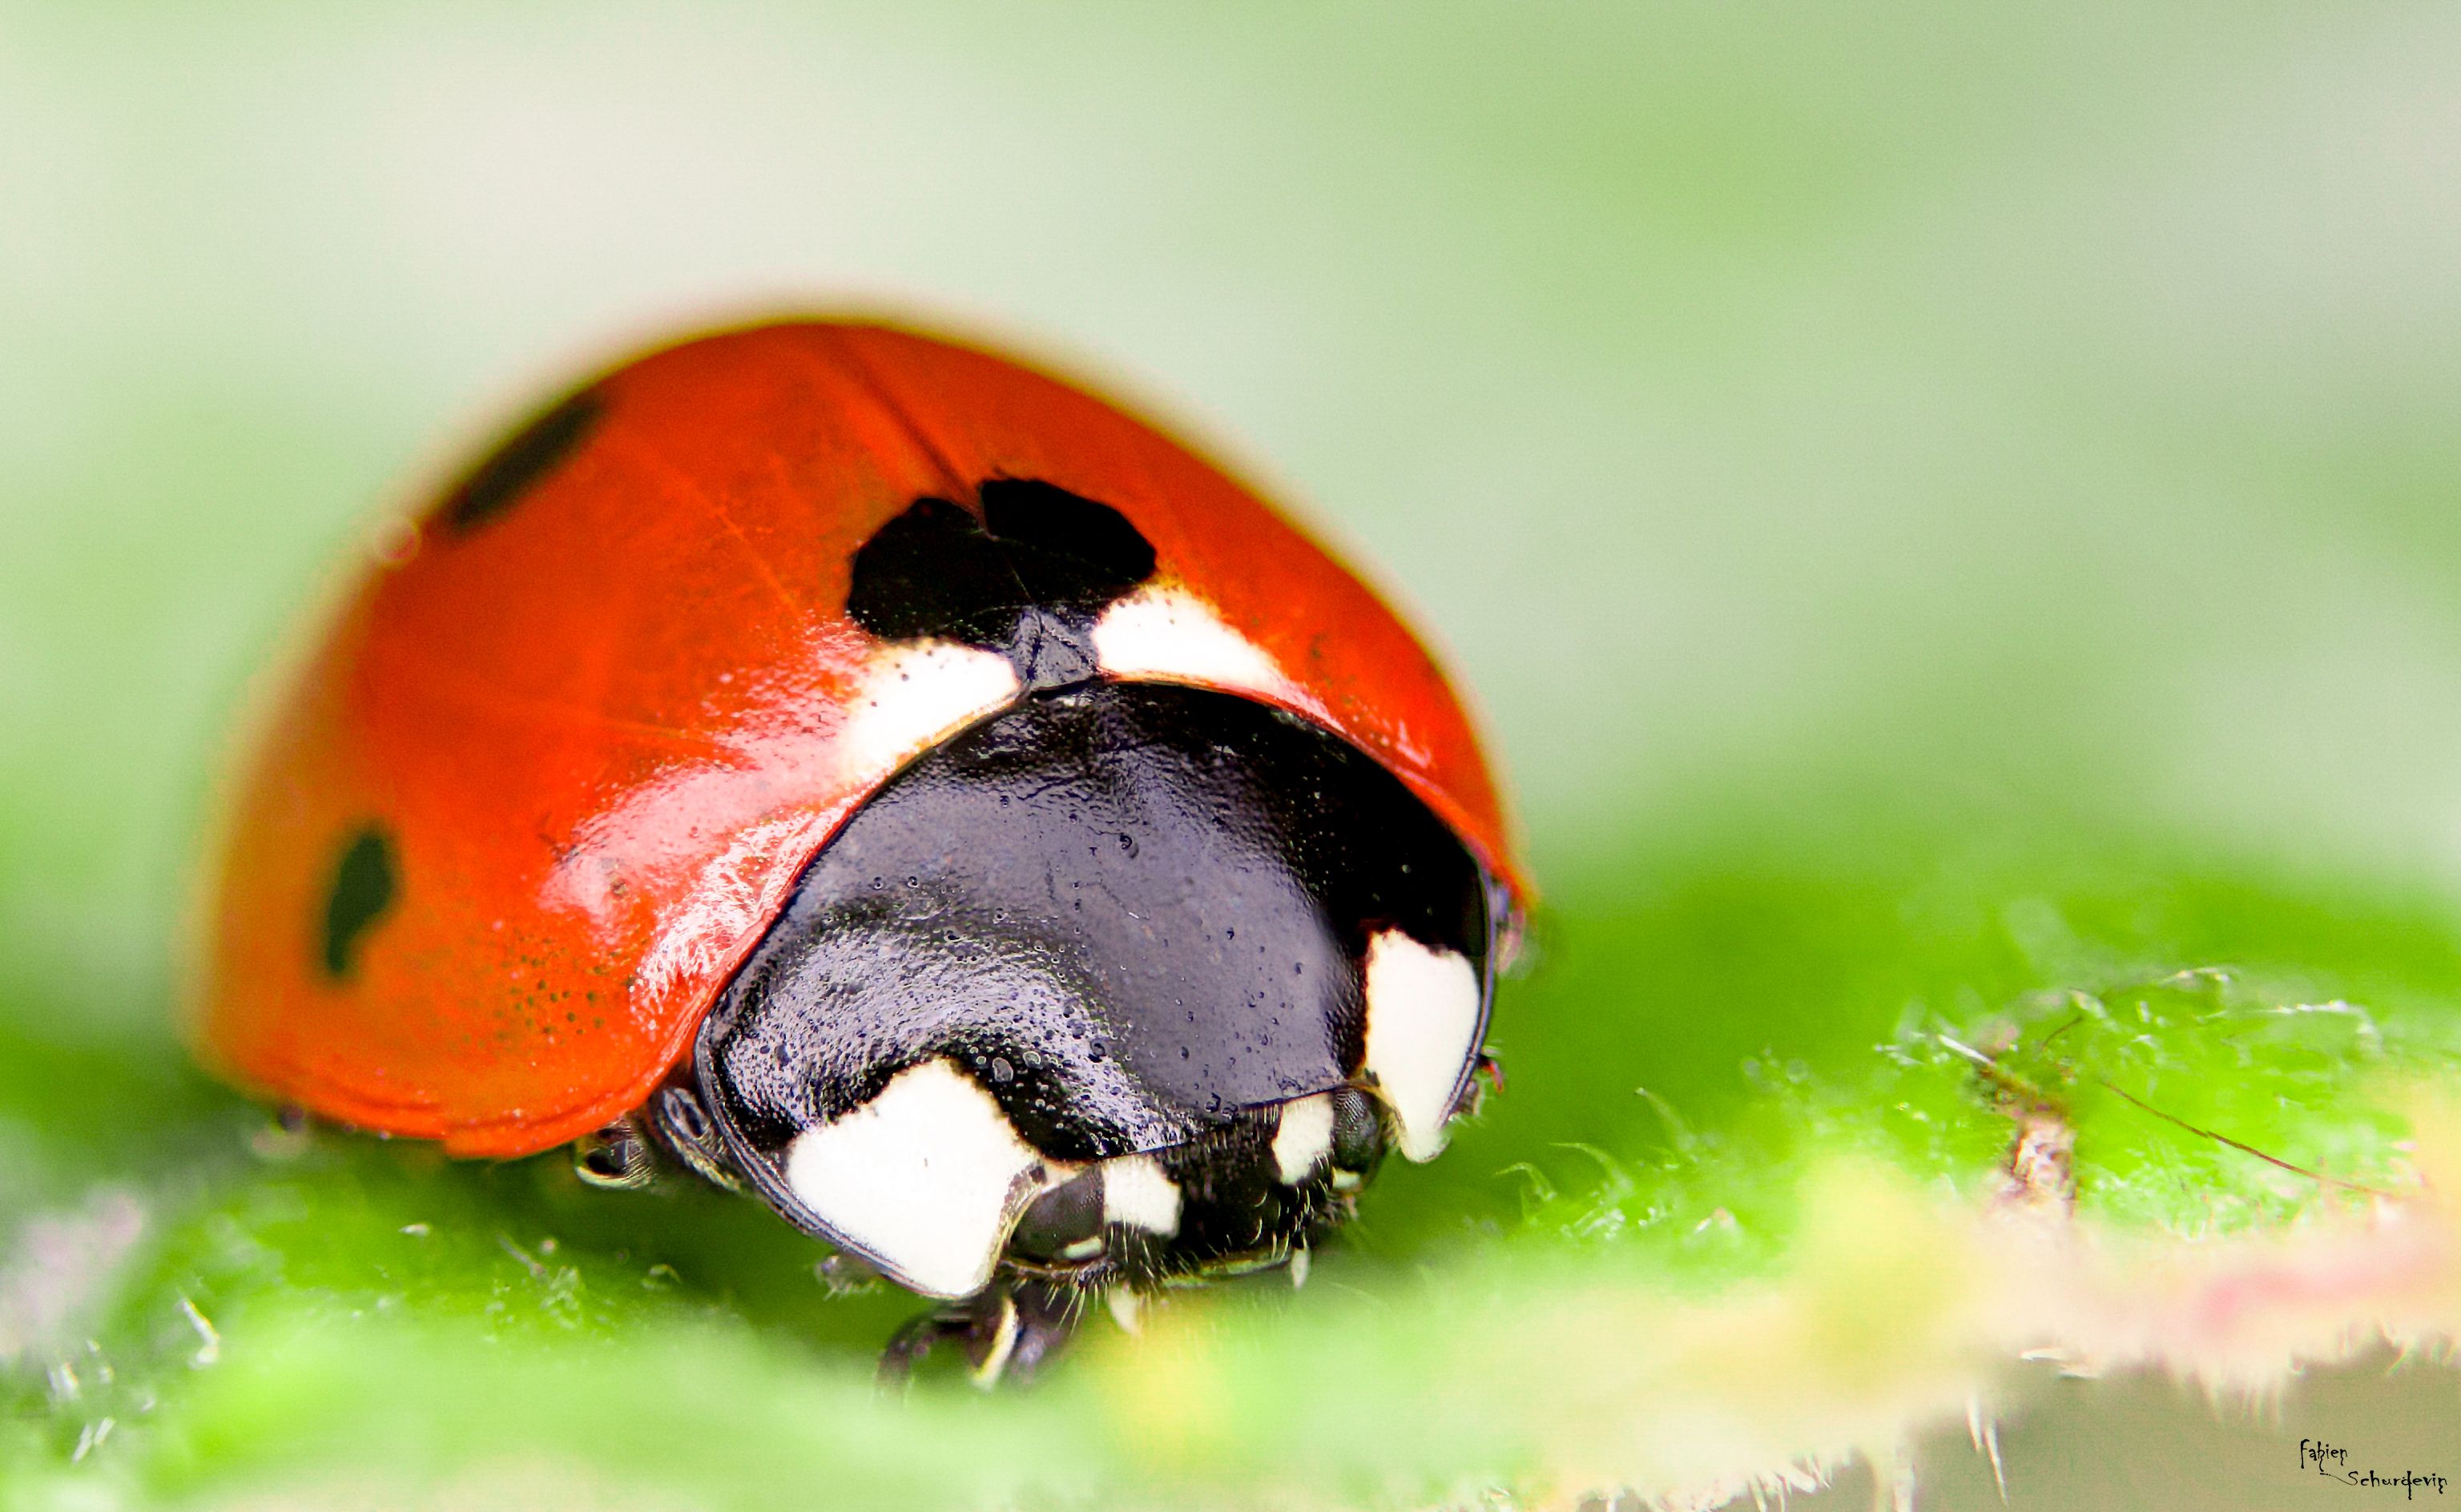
857,769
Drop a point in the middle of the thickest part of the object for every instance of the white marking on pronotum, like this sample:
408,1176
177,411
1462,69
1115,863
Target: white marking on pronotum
1172,636
913,694
926,1179
1422,1028
1137,1193
1304,1137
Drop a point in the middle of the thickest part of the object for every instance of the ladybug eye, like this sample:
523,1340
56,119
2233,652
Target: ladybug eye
615,1158
1357,1138
1064,1224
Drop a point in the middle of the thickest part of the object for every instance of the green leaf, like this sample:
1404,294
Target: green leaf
1742,1202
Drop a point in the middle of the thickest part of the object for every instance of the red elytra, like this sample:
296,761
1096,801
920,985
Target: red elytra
600,728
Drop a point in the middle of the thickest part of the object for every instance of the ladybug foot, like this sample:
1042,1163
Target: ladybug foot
1008,1330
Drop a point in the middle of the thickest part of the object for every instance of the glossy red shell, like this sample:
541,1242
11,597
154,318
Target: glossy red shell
603,730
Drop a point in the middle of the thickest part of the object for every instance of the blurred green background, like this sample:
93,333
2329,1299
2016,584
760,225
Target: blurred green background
1936,502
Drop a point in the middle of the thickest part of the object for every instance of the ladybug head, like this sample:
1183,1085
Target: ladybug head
1127,981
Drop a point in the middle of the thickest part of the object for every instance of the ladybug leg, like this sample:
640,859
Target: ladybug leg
682,1125
635,1150
1009,1330
1048,1313
618,1157
911,1344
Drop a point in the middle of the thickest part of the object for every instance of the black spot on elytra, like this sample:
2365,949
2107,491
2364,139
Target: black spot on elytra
522,463
365,884
1109,555
1026,578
